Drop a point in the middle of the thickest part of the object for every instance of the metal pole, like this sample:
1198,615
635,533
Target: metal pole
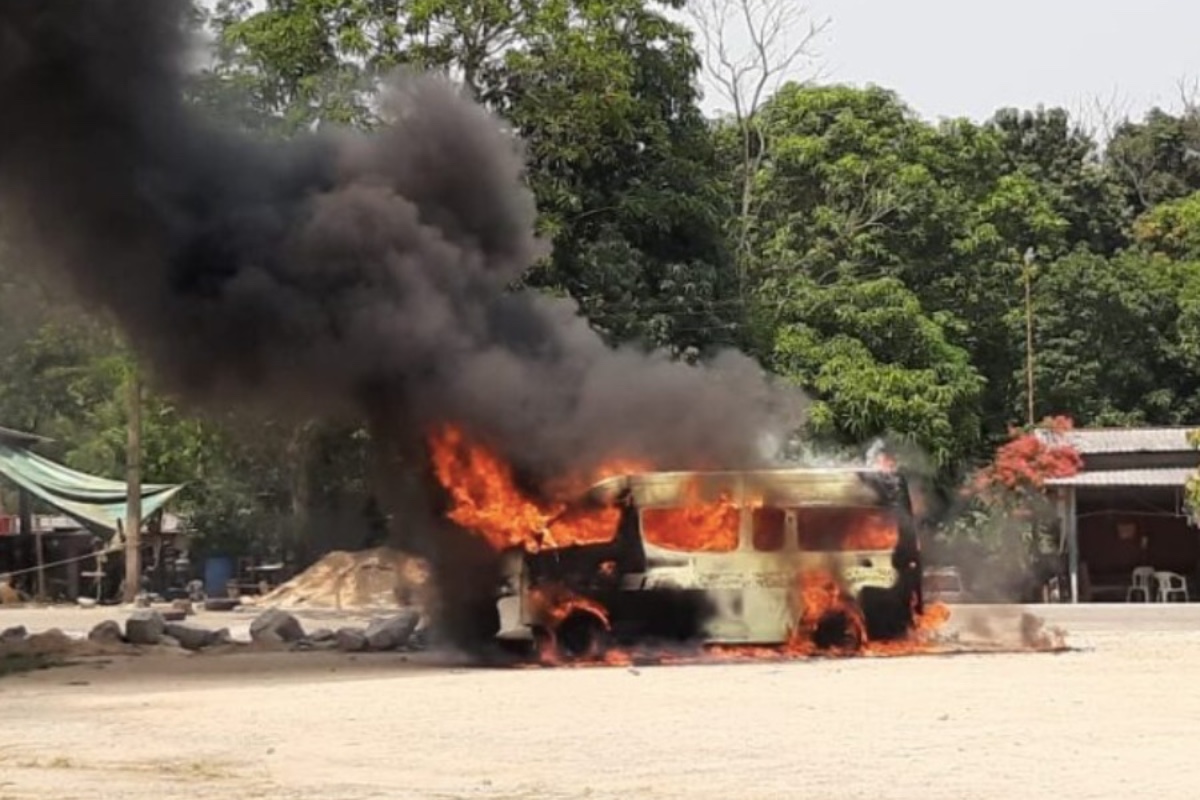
133,498
1029,256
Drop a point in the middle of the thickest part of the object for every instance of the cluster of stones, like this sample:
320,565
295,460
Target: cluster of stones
271,630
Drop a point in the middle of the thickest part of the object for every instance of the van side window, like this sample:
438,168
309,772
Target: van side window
710,528
847,528
769,526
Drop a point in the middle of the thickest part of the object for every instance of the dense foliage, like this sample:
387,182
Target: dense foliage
881,266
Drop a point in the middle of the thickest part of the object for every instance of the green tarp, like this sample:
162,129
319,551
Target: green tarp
87,498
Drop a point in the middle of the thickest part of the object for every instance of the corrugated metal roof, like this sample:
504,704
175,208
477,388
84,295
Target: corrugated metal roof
1162,477
1094,441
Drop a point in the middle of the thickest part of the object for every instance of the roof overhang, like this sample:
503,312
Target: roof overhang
1162,477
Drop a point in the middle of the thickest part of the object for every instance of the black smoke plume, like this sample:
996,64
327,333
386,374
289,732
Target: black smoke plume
334,273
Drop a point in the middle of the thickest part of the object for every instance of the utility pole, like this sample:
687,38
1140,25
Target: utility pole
1028,273
133,481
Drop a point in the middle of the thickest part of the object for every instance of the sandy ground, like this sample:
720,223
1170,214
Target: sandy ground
1115,718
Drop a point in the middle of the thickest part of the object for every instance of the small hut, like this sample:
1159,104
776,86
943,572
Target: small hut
1125,509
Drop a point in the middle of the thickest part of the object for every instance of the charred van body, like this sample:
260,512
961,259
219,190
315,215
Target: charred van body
725,558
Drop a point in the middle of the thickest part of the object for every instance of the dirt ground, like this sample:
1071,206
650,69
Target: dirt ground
1116,717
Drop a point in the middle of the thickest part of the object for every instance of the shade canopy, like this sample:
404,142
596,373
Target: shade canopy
88,498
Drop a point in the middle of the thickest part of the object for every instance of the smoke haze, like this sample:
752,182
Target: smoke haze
338,272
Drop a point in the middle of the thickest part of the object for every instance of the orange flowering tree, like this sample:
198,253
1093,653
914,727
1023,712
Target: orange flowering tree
1026,461
1004,506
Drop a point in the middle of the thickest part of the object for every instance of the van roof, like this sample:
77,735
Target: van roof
849,485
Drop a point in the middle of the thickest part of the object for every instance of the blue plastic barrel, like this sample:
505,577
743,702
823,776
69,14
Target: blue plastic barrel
218,571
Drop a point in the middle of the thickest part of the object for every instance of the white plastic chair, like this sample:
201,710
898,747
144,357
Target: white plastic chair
1140,583
1171,584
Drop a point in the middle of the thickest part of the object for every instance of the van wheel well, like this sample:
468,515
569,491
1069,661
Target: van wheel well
580,636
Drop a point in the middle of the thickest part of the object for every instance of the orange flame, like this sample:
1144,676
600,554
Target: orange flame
836,529
694,525
821,596
820,599
485,499
551,604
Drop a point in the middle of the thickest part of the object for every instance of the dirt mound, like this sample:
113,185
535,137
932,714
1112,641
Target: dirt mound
378,578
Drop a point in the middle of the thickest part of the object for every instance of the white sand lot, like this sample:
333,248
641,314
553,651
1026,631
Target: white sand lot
1116,719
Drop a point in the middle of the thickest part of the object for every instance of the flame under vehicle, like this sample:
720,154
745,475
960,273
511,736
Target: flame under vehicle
824,557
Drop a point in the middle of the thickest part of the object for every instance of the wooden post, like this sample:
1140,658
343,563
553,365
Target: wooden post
133,498
40,555
25,512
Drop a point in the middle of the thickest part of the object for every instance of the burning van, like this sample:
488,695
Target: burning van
799,558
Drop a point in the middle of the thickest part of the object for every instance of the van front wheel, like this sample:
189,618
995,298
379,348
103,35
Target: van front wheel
581,636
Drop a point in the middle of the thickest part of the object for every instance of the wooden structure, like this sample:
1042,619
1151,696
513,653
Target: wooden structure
50,553
29,546
1125,509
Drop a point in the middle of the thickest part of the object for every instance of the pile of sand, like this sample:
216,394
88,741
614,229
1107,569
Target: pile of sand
378,578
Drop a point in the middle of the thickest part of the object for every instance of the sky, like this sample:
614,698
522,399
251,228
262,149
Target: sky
951,58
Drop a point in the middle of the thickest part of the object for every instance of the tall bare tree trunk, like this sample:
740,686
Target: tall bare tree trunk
133,500
300,452
749,48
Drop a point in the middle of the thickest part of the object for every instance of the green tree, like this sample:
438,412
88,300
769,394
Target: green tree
1107,340
859,188
1171,229
1045,146
877,365
1157,159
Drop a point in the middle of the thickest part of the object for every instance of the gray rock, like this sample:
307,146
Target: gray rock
190,637
107,632
221,636
351,640
170,642
220,604
50,643
276,626
183,605
17,633
419,639
173,615
322,635
391,632
144,627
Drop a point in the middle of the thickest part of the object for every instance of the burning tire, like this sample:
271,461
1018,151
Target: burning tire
838,630
888,612
581,636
